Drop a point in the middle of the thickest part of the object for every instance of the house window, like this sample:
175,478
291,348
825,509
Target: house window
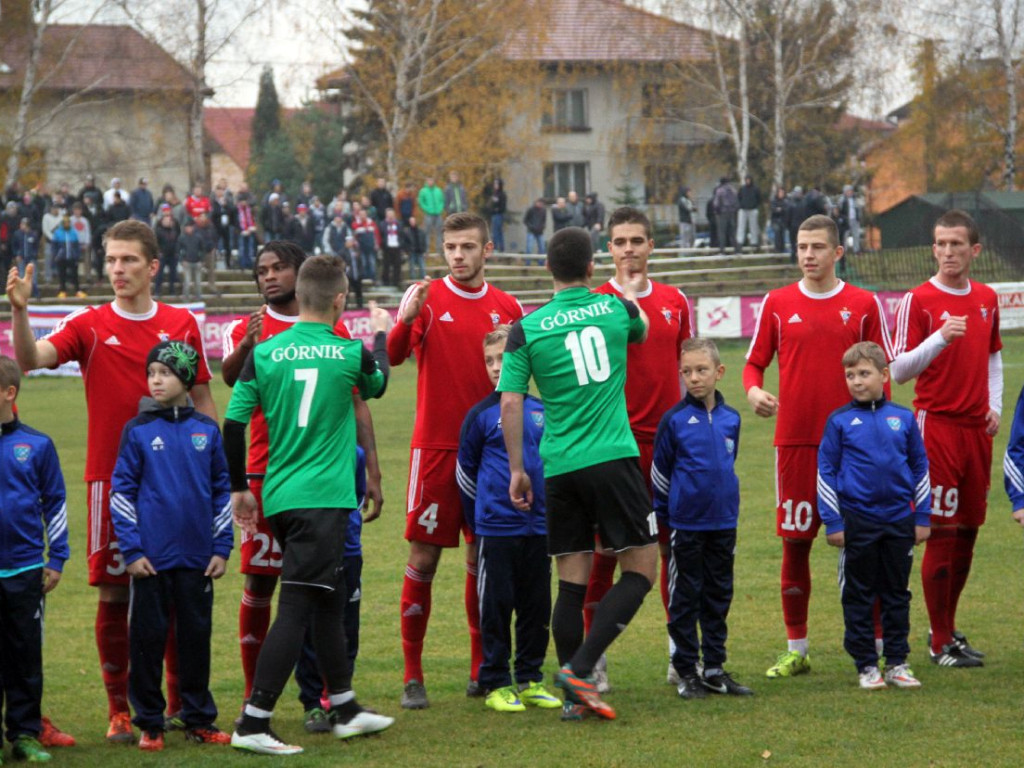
565,111
562,178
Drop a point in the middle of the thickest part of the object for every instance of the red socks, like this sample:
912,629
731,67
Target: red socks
476,645
796,587
602,574
112,643
963,556
253,622
936,566
415,615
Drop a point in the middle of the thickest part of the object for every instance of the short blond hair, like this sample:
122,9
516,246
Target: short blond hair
865,350
701,345
498,336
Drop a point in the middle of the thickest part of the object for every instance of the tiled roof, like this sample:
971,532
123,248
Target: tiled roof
848,122
231,128
606,30
107,57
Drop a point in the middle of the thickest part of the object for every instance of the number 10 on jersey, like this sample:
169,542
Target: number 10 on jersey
589,355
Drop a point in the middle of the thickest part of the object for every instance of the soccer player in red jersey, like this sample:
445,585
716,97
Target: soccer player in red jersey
110,343
947,335
652,377
276,271
442,322
809,325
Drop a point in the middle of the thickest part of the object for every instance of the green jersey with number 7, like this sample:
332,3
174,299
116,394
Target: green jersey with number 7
302,378
575,348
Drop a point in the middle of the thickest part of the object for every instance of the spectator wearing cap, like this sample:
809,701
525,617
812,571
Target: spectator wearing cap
272,218
140,202
301,229
108,196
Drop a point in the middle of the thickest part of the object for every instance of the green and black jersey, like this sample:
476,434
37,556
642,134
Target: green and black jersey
574,347
303,378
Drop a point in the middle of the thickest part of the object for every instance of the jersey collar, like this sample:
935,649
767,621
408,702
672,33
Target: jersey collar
640,294
458,290
147,315
810,295
952,291
280,317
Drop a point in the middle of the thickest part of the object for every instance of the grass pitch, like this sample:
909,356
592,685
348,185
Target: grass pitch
959,717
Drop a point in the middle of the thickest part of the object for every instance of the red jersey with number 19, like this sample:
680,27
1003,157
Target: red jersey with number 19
955,383
111,346
810,332
447,337
273,324
652,368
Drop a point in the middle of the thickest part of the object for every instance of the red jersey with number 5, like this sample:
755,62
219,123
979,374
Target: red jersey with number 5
273,324
956,382
111,346
447,337
810,332
652,368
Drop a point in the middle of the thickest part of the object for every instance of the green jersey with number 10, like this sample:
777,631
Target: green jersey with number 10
575,348
302,378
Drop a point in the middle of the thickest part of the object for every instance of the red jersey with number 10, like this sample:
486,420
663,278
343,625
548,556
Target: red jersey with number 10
652,368
273,324
810,332
111,346
448,339
956,382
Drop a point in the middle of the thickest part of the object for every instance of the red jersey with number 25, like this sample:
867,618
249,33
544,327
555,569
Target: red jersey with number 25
956,382
111,346
448,339
273,324
810,332
652,368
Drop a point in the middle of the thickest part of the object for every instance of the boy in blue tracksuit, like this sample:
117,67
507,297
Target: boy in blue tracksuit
513,567
874,498
697,494
171,508
33,519
1013,462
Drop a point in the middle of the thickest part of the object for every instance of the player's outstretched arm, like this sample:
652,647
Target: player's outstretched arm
29,352
520,490
367,439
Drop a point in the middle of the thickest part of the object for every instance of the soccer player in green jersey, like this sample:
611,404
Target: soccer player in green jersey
302,379
574,347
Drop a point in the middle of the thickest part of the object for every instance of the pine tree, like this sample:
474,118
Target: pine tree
266,122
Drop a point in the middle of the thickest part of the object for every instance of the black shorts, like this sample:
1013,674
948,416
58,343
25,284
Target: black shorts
313,545
610,499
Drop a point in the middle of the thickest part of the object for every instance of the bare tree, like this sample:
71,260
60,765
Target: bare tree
196,33
408,53
38,71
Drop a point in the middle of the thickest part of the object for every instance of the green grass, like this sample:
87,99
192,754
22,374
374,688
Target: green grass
960,717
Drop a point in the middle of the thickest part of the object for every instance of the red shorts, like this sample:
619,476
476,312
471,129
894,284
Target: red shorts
260,552
434,508
106,563
796,492
960,469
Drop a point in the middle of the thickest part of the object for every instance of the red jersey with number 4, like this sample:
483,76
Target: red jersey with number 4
111,346
652,368
956,382
448,339
273,324
810,332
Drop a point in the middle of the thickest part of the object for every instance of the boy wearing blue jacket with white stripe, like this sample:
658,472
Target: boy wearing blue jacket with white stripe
33,519
171,504
1013,462
513,567
874,498
697,494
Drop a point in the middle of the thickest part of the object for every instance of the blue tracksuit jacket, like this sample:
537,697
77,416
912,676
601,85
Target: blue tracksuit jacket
872,462
31,497
693,473
483,476
1013,461
170,494
354,537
